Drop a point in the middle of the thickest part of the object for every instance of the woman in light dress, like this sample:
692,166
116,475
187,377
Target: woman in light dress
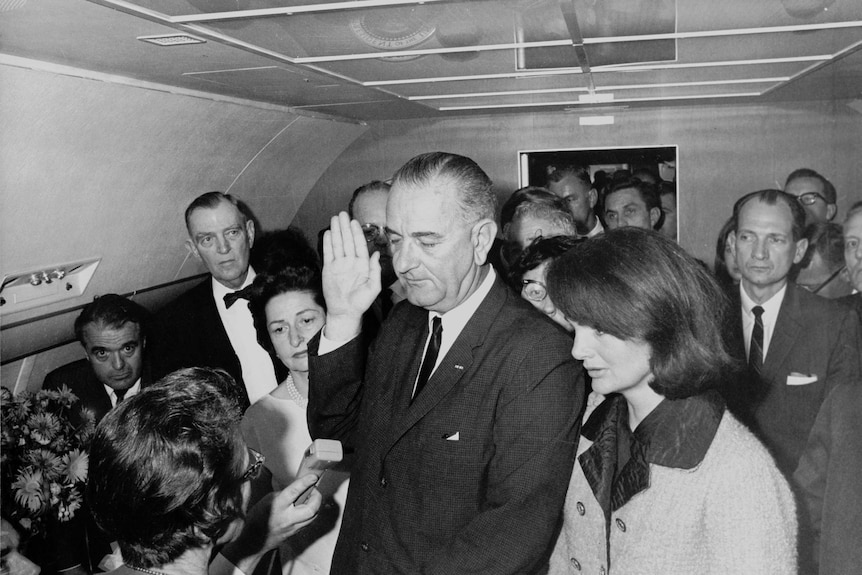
288,309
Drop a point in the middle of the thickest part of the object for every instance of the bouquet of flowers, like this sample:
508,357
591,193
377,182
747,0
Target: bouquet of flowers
43,456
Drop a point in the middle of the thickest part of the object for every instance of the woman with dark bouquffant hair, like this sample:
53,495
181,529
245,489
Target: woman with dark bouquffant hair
169,480
666,480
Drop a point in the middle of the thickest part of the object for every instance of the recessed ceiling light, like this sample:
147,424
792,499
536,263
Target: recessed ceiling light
172,39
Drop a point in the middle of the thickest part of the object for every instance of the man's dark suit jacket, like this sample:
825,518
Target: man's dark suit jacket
853,301
470,477
814,337
188,332
80,541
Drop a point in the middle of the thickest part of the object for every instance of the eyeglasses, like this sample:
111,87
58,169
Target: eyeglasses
254,468
534,290
374,233
810,198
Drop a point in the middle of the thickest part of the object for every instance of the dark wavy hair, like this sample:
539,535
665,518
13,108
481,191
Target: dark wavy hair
636,284
302,275
166,467
113,311
537,253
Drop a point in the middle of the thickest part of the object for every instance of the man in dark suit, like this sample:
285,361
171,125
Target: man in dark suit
210,325
465,411
368,207
112,330
853,256
798,346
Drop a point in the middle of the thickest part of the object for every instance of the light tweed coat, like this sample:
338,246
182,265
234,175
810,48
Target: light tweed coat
733,513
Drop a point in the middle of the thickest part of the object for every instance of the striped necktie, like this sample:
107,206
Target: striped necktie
755,350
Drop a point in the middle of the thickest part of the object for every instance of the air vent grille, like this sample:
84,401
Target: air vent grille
171,39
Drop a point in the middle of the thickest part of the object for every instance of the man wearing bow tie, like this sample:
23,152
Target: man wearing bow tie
210,325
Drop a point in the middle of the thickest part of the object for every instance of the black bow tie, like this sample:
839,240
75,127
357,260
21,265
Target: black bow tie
230,299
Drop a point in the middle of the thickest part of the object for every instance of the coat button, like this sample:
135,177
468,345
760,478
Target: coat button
581,508
364,546
575,563
621,525
383,482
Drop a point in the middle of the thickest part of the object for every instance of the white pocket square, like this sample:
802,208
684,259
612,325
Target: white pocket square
800,379
454,437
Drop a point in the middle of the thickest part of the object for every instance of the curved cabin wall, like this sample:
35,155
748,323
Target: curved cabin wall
91,167
724,152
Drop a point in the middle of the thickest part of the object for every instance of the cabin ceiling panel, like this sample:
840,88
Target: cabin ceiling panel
359,57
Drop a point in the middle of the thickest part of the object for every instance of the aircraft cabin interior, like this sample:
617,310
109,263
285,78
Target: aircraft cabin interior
115,114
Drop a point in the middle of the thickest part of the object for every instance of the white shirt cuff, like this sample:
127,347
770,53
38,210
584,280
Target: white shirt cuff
328,345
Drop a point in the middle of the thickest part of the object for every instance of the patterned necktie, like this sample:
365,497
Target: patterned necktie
430,355
755,350
230,298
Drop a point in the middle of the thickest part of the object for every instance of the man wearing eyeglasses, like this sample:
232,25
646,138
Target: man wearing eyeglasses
368,207
815,193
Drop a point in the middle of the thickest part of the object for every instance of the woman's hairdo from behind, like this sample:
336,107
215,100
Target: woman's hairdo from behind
635,284
166,466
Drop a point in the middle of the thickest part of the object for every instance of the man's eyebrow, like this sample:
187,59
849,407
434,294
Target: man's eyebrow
432,235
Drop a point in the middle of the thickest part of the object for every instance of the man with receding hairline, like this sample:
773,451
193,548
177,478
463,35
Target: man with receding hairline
210,325
798,345
464,411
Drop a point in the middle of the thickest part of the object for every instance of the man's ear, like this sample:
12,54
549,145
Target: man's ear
831,210
731,242
249,230
193,249
801,248
593,197
654,215
482,236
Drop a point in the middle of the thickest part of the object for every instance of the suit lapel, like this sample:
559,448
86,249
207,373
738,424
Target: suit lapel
99,400
452,368
784,334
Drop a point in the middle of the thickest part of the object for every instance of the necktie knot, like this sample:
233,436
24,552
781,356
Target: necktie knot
757,311
120,393
230,298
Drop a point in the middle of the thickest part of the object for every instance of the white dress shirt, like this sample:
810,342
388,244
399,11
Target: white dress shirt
257,370
770,316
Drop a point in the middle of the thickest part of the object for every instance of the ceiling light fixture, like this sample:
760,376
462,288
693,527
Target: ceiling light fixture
602,88
595,70
576,103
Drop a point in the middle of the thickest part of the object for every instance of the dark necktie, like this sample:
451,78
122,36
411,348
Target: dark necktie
230,298
430,355
120,393
386,301
755,350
